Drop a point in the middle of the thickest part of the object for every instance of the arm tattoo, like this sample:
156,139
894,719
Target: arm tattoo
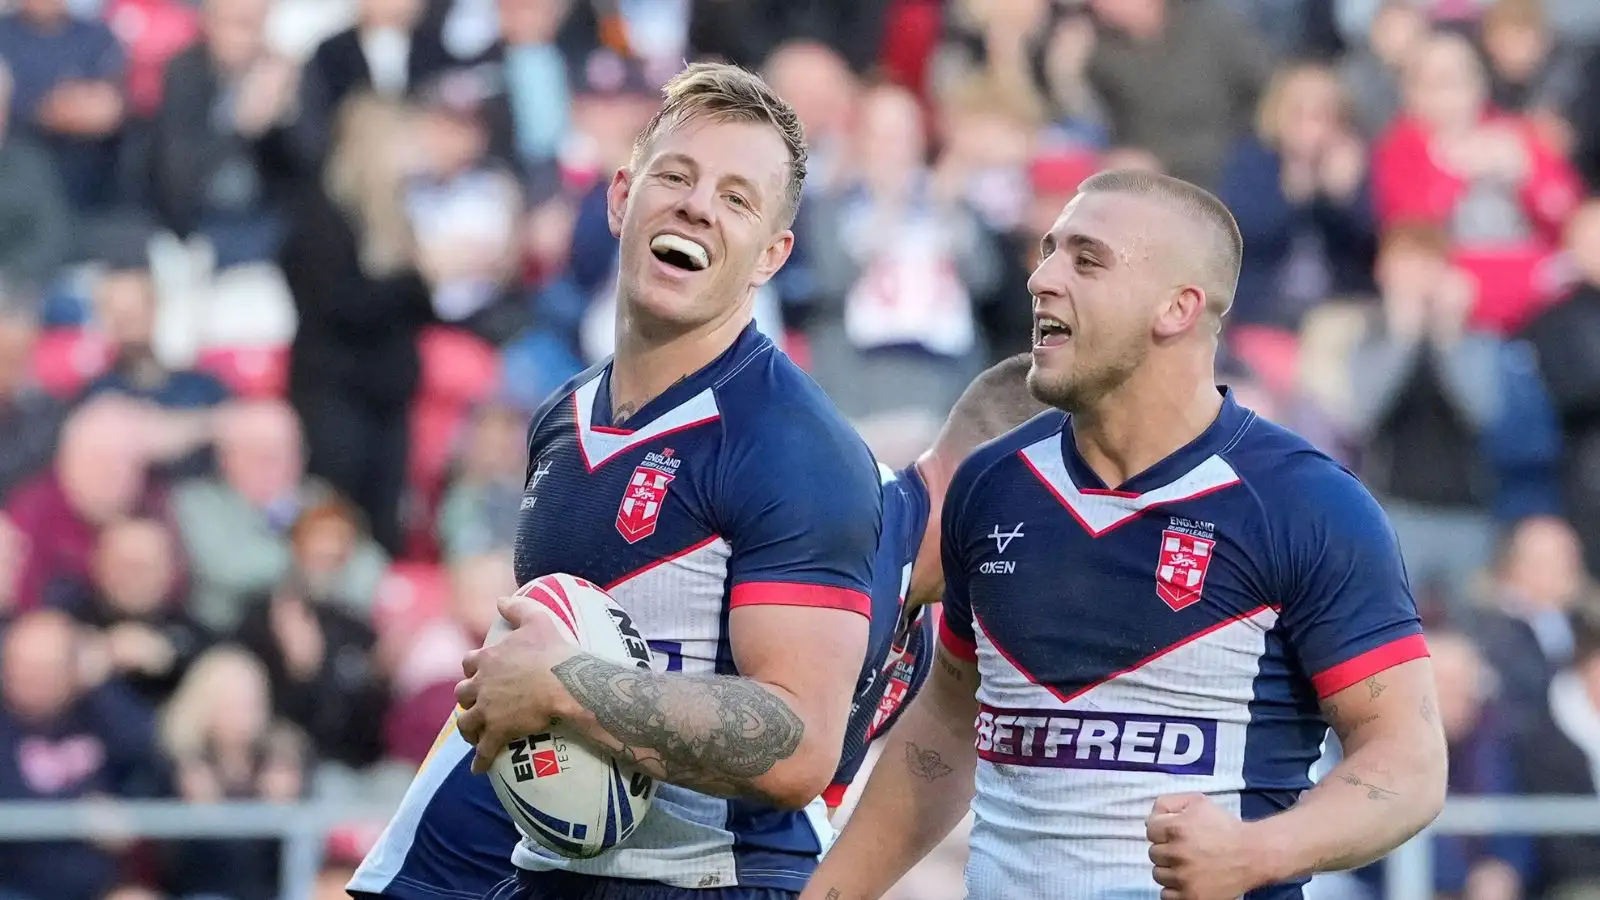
714,735
1373,791
925,764
949,668
1374,687
1331,713
1428,714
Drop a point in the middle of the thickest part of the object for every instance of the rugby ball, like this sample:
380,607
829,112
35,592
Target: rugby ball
562,793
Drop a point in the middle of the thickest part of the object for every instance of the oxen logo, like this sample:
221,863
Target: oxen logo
647,490
1181,570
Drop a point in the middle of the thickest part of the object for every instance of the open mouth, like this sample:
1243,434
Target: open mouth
1049,331
680,252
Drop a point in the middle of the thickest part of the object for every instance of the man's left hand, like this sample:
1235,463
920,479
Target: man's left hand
1200,851
509,690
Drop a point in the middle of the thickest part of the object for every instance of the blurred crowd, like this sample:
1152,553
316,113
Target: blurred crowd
281,281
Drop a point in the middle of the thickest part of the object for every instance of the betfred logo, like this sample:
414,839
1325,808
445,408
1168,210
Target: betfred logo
537,756
1119,742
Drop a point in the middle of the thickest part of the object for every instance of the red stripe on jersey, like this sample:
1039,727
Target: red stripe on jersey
1331,681
661,562
834,795
783,593
959,647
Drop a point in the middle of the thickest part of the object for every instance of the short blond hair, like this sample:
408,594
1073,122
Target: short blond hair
728,93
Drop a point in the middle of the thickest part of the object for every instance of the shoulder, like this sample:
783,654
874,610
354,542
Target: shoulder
770,408
559,395
987,462
1294,482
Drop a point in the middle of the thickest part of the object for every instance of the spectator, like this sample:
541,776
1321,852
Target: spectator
479,512
235,526
141,631
1530,71
222,150
35,220
1500,866
1563,338
1371,70
29,418
1002,44
747,32
538,96
319,657
126,307
101,474
1426,395
383,53
1558,754
1485,176
465,212
1180,79
818,83
893,335
426,658
354,367
1526,633
1300,191
67,94
62,739
225,744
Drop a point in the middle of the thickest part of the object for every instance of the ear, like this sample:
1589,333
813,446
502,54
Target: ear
773,257
1180,312
617,200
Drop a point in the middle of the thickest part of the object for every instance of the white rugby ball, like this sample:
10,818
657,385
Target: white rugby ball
560,792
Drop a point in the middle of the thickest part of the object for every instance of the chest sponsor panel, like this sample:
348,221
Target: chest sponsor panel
1099,740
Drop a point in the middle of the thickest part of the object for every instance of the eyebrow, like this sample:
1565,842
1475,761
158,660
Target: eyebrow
739,181
1078,241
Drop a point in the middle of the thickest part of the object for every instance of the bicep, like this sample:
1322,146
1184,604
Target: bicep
1397,702
813,654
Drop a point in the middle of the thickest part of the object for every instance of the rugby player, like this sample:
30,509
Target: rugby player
1156,604
451,836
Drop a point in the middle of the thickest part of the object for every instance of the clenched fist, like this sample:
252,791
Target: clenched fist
1200,851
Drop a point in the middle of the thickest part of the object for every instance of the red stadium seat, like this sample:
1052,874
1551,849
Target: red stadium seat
409,595
435,427
457,367
253,372
1272,354
66,359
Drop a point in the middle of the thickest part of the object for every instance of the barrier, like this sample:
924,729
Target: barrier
304,829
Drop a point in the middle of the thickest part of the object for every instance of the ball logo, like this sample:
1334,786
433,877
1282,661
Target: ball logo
537,756
638,648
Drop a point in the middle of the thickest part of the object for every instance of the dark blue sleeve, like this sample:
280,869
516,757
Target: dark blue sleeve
110,62
955,624
1347,606
801,508
134,759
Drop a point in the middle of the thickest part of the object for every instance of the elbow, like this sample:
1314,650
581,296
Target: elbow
801,779
1434,772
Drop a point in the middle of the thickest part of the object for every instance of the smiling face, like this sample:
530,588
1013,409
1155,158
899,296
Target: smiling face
703,217
1093,295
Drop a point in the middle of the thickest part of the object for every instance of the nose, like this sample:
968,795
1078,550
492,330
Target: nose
694,206
1047,280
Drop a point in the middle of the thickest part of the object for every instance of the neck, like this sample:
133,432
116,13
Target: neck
1141,423
646,363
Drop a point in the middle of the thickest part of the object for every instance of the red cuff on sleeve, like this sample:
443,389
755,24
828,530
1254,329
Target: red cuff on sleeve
961,648
834,795
1387,656
783,593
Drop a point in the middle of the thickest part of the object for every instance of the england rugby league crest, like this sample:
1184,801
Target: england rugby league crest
647,490
1181,570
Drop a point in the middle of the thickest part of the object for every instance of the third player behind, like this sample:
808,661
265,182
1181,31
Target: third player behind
1156,604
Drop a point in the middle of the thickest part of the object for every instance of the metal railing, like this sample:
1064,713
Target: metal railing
304,829
1408,871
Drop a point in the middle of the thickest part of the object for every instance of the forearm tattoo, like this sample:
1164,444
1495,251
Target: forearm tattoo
925,764
714,735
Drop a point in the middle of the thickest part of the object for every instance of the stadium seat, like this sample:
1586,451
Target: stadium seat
457,367
435,427
1272,354
66,359
410,594
253,372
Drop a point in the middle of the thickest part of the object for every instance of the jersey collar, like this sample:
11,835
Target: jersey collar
1223,431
